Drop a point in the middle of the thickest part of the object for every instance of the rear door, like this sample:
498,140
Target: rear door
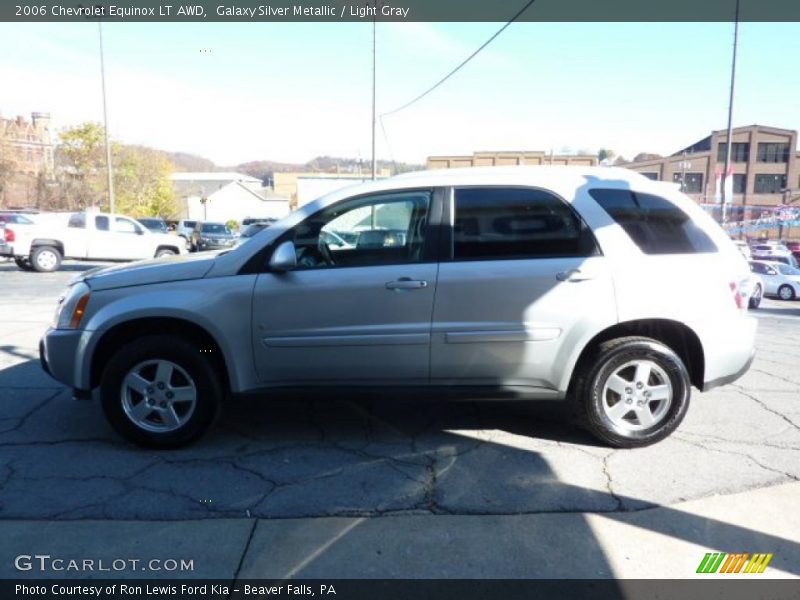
524,284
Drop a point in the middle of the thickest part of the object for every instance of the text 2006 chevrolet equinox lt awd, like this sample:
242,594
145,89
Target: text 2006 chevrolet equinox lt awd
595,285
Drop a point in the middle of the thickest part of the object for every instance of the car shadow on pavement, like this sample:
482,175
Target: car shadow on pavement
793,311
312,456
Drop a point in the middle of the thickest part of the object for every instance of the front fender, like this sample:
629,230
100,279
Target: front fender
221,306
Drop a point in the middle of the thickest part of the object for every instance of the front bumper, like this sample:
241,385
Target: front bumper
210,245
59,355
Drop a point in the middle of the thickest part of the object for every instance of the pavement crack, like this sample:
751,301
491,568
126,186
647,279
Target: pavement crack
610,482
746,394
245,550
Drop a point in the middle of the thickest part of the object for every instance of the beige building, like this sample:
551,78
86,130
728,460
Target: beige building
764,160
510,158
302,187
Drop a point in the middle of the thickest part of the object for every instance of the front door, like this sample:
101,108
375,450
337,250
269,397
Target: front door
524,283
357,309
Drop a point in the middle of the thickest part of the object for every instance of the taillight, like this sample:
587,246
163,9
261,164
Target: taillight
10,237
738,297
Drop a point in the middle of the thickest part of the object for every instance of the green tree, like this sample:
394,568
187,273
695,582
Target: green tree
81,151
142,184
605,153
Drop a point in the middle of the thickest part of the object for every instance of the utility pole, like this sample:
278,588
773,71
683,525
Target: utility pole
725,199
374,27
109,174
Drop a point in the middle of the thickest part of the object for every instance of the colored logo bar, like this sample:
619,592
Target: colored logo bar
743,562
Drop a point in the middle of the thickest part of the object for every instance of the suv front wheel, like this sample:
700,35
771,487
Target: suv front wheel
633,392
160,391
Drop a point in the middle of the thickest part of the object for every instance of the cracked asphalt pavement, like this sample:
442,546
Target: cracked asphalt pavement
355,457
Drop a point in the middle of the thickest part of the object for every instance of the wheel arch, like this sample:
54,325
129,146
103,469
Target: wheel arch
127,331
677,336
57,244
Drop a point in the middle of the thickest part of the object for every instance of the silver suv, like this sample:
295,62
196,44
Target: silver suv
597,286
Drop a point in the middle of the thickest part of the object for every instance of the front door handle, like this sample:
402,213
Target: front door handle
406,283
573,275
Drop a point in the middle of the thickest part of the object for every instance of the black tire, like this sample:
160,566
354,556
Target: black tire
755,299
786,292
610,356
23,263
186,355
165,252
45,259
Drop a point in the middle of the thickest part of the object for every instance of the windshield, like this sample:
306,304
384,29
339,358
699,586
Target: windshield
786,269
218,228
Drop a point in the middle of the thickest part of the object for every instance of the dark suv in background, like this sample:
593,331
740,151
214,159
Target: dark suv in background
210,235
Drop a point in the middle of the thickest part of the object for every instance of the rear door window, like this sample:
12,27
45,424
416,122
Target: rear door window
655,224
513,223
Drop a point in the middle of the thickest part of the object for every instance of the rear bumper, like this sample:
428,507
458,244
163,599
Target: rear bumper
6,250
729,351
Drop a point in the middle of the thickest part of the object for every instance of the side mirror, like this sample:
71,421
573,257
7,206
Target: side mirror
284,258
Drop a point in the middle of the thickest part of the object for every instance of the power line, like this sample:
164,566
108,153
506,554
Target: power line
469,58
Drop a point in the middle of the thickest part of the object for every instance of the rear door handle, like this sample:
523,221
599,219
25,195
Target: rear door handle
573,275
406,283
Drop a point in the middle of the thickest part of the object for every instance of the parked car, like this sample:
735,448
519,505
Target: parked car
249,231
154,224
770,249
785,259
793,246
184,229
16,225
85,236
743,248
208,235
779,279
555,283
247,221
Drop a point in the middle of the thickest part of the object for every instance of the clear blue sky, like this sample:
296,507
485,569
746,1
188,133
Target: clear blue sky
292,91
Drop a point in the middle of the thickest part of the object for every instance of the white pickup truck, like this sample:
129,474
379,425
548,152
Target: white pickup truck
41,246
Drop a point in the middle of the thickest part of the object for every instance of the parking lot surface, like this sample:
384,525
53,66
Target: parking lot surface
320,457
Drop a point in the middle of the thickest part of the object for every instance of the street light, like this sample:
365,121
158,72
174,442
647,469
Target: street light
109,175
723,181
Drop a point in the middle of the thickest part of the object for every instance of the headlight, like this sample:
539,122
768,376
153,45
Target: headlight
71,307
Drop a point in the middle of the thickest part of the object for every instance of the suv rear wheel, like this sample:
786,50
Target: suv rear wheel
633,392
160,391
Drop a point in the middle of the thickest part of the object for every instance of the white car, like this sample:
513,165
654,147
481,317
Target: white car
770,249
85,236
743,248
778,279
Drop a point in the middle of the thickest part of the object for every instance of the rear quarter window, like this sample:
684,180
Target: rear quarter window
654,223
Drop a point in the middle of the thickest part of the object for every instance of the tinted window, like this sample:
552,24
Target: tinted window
101,223
773,152
214,228
125,226
77,221
769,184
189,224
691,183
654,223
506,223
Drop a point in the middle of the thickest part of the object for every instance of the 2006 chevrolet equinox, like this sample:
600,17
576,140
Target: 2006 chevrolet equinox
593,284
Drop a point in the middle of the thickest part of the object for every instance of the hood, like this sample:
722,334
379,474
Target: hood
145,272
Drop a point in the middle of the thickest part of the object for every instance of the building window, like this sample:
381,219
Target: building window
740,152
650,175
692,184
739,183
773,152
770,184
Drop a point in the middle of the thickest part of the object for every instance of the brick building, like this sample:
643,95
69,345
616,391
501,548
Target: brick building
764,161
29,147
